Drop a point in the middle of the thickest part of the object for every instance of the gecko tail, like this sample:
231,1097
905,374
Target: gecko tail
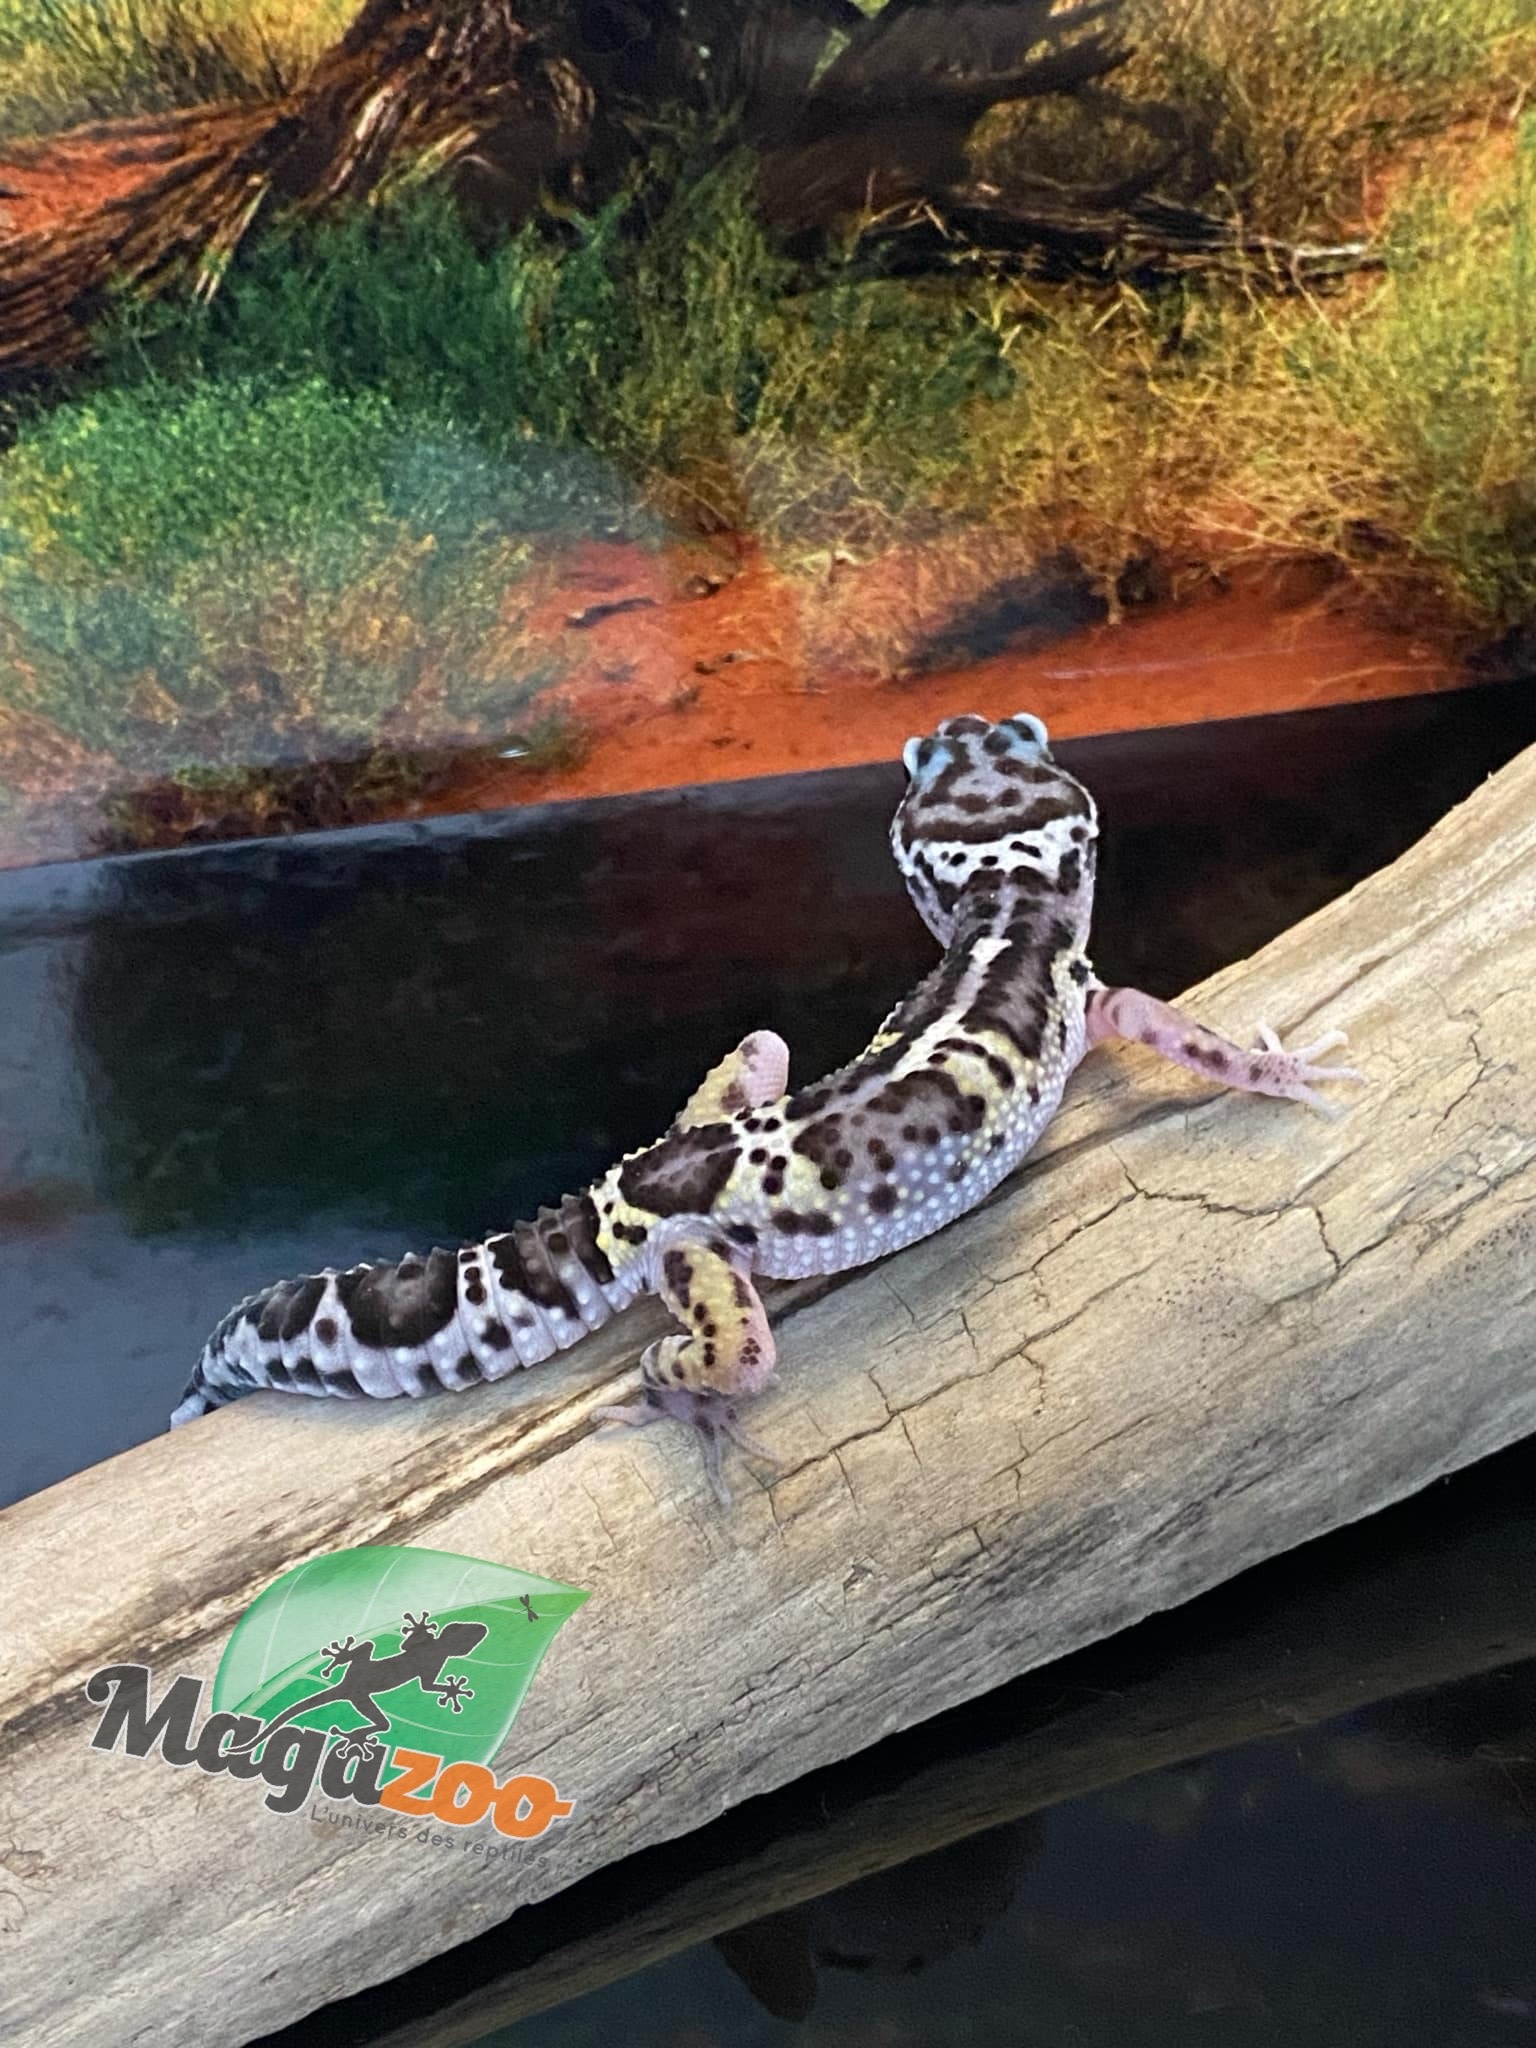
194,1402
420,1325
216,1380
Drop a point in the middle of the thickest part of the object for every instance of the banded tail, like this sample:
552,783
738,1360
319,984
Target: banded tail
424,1326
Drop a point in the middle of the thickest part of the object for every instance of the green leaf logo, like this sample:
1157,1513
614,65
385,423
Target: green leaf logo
486,1632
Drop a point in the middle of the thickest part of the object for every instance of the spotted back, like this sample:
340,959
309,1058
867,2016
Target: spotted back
988,801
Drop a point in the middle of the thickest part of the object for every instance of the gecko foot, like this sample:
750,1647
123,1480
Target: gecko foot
1291,1072
363,1747
712,1415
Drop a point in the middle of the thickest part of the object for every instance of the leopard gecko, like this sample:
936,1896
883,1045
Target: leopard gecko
997,845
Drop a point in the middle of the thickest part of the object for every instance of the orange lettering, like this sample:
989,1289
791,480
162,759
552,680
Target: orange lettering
404,1794
473,1779
542,1800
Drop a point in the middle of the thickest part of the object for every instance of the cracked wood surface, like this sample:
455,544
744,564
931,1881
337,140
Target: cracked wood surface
1195,1331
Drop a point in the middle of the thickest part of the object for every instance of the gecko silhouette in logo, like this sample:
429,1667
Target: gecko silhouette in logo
424,1650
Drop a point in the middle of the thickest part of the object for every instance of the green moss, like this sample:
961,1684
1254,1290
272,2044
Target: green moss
1431,399
217,574
68,61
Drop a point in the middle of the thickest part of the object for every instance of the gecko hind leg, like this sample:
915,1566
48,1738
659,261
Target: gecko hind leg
724,1351
1266,1070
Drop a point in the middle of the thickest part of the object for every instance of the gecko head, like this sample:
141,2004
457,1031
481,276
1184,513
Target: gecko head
987,807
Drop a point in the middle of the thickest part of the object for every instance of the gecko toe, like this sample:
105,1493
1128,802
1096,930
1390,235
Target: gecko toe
711,1416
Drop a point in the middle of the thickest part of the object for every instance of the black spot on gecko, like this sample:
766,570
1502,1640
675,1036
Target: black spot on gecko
973,830
683,1173
882,1198
325,1330
741,1233
679,1275
1079,971
388,1305
808,1102
583,1224
1069,875
523,1266
792,1223
1071,803
288,1308
305,1373
496,1334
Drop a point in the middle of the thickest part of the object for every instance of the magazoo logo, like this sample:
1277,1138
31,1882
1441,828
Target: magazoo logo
330,1677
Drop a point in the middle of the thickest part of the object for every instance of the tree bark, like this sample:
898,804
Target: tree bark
1198,1330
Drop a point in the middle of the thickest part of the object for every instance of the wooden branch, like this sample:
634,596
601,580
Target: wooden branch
1199,1330
1450,1605
1032,228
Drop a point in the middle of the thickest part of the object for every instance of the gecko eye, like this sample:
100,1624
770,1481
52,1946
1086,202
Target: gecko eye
1035,727
916,754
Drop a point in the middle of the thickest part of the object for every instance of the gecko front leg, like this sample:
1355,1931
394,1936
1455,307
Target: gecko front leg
723,1353
1267,1070
757,1071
